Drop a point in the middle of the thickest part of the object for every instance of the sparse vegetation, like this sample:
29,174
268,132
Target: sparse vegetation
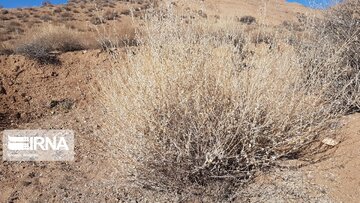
14,27
4,50
247,20
263,37
334,42
111,15
57,10
45,18
4,11
52,38
46,3
97,20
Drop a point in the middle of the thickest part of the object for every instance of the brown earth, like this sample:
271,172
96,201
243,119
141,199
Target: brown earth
35,96
85,17
339,173
272,12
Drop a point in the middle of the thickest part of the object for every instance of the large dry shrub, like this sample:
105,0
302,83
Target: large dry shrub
190,117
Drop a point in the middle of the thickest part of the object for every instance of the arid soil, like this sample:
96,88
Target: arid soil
272,12
339,173
53,97
38,96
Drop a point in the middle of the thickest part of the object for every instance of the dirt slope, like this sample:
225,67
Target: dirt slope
56,97
272,12
339,174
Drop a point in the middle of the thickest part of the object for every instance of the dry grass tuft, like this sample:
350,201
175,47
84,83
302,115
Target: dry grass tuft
248,20
111,15
49,39
5,50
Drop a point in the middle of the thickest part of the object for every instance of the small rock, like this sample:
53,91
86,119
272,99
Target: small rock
66,104
27,183
27,98
330,141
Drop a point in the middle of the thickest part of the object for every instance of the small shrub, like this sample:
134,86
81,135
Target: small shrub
5,18
38,51
15,27
37,22
292,26
97,20
110,15
263,37
22,15
48,39
57,10
5,36
4,50
125,12
46,3
66,15
46,18
14,24
247,20
4,11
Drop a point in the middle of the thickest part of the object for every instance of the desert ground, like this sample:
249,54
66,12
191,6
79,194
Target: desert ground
65,89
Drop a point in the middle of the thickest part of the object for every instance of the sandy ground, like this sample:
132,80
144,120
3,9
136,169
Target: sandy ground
339,174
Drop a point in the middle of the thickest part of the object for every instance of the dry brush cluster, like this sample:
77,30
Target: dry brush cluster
42,42
191,116
335,46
